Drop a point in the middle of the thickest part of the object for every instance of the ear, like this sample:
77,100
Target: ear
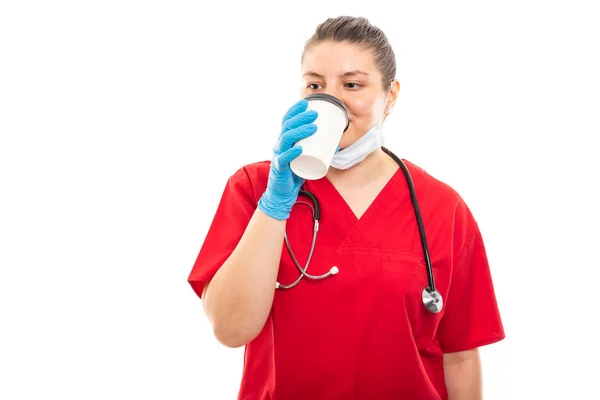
394,91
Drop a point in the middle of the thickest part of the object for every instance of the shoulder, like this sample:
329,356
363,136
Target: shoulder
434,188
440,197
256,171
251,178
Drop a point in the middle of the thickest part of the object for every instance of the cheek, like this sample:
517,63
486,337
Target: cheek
362,114
359,108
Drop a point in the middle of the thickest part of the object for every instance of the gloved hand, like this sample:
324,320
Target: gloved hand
283,185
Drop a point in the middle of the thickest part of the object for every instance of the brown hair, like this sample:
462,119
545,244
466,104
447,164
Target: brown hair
358,30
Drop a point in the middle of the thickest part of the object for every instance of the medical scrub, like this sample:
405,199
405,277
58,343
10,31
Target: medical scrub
363,333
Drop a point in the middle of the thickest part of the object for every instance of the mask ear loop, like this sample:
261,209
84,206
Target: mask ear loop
382,118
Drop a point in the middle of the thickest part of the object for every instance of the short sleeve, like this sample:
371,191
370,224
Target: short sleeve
236,207
471,318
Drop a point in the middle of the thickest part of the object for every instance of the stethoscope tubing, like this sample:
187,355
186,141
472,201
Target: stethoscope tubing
415,203
431,298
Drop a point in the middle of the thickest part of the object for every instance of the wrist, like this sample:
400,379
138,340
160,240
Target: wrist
273,208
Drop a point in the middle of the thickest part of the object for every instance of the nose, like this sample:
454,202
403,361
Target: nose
338,93
333,91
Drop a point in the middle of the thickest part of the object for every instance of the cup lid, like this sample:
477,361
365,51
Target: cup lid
333,100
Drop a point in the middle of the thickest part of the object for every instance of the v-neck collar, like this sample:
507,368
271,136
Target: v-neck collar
344,216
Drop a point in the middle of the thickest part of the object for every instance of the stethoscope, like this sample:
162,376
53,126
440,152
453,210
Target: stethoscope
432,299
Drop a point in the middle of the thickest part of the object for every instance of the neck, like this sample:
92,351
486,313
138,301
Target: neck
371,167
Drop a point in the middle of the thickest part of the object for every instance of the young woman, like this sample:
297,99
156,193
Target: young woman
370,331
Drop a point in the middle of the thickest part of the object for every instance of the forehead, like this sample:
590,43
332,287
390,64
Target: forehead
335,58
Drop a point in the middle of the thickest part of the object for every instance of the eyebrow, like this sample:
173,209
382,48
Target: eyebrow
344,75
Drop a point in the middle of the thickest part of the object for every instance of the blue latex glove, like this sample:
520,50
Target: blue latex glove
283,185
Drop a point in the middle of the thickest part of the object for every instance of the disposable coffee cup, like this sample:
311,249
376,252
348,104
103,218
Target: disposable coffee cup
318,149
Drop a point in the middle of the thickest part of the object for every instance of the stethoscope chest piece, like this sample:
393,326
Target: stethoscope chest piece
432,300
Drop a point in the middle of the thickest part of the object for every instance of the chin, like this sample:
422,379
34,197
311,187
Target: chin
348,139
345,143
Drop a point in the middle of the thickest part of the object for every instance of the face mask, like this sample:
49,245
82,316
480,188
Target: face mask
359,150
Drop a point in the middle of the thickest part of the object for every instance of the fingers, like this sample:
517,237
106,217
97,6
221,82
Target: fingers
284,159
306,117
296,109
289,138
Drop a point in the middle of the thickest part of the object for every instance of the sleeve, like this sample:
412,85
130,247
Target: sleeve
236,207
471,318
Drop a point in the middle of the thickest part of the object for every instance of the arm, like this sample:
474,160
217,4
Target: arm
240,296
462,371
238,300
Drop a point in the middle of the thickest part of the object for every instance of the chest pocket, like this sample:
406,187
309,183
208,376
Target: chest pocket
400,308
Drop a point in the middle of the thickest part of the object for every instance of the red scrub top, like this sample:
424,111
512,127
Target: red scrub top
363,333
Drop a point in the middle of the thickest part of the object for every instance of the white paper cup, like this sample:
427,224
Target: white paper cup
318,149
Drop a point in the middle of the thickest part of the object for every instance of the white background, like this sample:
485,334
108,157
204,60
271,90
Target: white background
121,121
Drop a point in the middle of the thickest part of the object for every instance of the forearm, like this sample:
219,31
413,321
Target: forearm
240,295
462,373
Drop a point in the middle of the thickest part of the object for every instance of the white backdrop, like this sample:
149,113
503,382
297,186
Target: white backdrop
121,121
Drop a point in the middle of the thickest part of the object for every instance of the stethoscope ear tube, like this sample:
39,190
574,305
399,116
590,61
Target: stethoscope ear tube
316,206
316,211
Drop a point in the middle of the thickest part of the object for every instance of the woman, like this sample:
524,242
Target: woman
363,333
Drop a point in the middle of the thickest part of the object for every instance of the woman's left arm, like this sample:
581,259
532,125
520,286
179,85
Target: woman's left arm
462,372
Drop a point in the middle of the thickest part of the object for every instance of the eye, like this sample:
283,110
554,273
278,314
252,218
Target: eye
314,86
353,85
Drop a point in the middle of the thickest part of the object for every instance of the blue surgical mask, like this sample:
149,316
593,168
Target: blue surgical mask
359,150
